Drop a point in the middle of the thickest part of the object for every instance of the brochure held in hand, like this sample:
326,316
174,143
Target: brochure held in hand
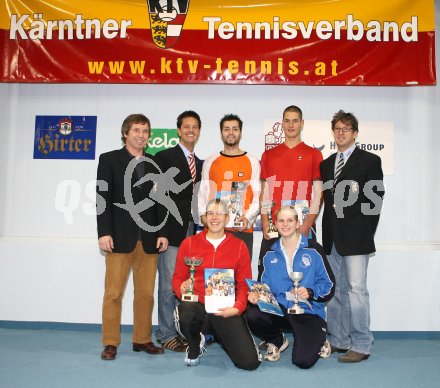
266,299
219,289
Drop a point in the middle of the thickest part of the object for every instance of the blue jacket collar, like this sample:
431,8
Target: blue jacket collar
277,244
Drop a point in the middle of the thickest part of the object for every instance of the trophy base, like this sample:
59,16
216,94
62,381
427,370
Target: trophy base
238,224
295,310
273,234
190,298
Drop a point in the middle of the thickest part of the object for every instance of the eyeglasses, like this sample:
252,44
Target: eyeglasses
342,129
212,214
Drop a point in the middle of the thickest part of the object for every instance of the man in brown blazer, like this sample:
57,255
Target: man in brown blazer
130,232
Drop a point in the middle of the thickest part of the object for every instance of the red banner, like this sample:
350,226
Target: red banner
192,42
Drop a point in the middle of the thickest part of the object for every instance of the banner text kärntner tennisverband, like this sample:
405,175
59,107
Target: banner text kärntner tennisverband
35,27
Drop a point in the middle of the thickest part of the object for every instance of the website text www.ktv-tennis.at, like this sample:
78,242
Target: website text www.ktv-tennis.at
355,30
167,66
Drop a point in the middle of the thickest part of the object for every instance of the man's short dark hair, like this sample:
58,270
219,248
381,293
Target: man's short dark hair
188,113
293,108
231,117
136,118
347,118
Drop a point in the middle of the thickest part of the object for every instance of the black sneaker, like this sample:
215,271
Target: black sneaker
175,344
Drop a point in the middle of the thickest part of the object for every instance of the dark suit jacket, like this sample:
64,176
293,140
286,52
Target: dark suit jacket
352,234
118,222
175,157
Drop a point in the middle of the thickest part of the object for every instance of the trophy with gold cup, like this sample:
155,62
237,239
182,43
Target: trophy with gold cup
192,262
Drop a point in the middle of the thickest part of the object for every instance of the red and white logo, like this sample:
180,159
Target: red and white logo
65,126
274,136
166,21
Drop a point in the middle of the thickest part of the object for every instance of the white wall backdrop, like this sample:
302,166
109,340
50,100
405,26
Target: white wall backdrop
52,270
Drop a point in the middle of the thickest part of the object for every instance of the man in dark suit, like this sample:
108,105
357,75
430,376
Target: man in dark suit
131,231
189,166
353,192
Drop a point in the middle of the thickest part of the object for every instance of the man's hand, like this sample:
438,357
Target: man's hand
162,244
245,223
227,312
304,229
106,243
307,225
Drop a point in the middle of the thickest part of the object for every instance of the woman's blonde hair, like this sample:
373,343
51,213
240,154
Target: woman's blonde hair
287,208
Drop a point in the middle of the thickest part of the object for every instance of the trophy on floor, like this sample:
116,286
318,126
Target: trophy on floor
296,278
266,208
192,262
238,193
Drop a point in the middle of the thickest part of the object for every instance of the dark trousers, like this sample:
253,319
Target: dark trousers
231,333
309,332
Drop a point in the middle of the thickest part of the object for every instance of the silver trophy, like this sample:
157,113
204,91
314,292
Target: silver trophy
192,262
238,193
296,278
266,208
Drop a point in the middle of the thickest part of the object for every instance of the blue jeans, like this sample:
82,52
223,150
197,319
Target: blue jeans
348,312
167,301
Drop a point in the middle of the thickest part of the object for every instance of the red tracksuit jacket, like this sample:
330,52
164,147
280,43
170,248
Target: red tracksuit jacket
231,253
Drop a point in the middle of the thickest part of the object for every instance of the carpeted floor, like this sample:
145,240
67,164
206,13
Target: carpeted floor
59,358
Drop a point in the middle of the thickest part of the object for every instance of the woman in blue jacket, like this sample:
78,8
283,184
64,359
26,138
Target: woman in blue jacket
292,253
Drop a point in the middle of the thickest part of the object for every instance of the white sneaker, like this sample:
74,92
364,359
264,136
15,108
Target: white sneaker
326,350
195,361
273,353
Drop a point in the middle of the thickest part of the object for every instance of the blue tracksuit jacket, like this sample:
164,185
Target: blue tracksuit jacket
315,276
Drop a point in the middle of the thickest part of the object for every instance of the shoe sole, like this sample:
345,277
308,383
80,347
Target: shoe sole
353,361
143,350
108,358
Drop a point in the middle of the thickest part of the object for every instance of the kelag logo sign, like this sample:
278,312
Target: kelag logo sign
65,137
161,139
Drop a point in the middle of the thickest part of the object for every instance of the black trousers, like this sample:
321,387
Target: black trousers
231,333
309,332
